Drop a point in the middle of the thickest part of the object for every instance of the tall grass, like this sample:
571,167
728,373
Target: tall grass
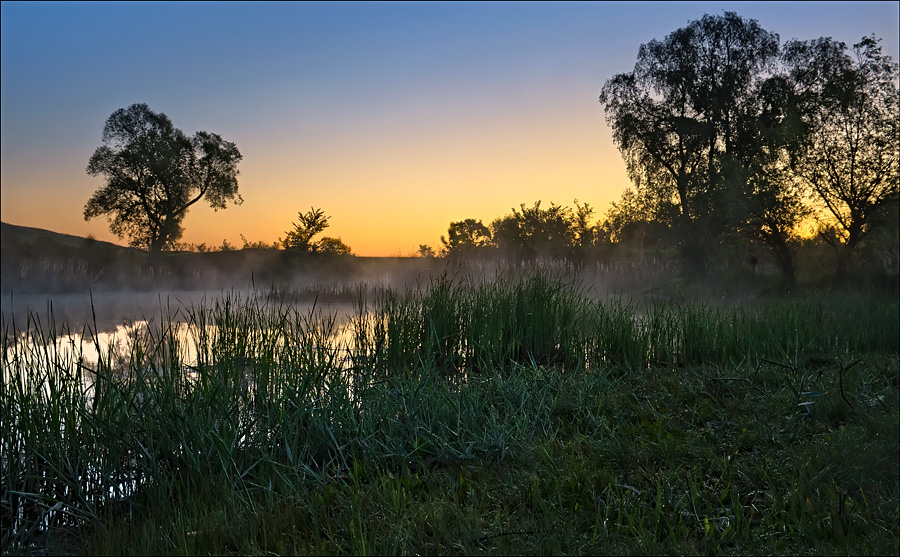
240,406
472,326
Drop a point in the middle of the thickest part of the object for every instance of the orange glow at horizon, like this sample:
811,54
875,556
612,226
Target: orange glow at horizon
386,190
395,119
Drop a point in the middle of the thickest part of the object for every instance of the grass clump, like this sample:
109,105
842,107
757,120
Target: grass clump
516,415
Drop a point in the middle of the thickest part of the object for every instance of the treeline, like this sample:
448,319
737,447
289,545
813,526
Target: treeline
298,240
35,260
734,143
526,234
729,136
627,240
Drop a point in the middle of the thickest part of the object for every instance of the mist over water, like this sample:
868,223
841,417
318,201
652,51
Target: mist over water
110,309
128,294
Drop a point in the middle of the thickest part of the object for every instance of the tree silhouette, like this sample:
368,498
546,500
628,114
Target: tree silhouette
154,173
312,222
535,233
332,246
851,160
771,201
465,236
585,232
678,117
426,251
525,234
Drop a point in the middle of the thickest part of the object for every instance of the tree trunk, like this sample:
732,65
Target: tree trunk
785,261
845,251
154,255
693,248
844,254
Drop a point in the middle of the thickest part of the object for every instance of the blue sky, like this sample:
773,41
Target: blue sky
396,118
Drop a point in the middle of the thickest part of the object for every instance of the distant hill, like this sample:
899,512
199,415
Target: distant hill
28,235
35,260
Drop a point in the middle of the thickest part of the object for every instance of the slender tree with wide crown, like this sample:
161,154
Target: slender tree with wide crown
154,173
851,161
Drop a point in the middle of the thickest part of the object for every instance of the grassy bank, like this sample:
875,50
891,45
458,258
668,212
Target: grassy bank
514,415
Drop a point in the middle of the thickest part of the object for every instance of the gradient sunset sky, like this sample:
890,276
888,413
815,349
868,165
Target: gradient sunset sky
395,118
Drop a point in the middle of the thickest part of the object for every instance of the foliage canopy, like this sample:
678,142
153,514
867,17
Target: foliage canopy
736,134
154,173
851,161
300,238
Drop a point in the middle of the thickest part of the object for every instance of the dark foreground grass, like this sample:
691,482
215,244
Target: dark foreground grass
602,427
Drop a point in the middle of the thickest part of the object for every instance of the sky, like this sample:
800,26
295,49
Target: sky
394,118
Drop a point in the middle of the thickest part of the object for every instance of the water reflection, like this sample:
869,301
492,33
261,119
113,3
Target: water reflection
192,331
104,311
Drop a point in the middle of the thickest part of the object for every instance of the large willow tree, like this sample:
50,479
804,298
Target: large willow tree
851,159
154,173
680,118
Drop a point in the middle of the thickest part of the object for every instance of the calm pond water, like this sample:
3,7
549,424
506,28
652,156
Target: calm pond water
78,328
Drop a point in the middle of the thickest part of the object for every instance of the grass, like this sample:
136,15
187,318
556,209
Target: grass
511,415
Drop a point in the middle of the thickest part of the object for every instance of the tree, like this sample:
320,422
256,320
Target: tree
634,223
507,235
851,161
332,246
546,232
541,233
465,236
624,216
772,203
585,232
311,223
154,173
678,116
426,251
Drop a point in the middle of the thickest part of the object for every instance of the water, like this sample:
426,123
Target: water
86,328
106,310
77,335
50,341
